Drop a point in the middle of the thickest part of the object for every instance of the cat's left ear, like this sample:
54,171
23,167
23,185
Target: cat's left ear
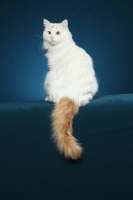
46,22
64,23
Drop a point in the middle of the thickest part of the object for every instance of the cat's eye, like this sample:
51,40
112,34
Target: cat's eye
57,33
49,32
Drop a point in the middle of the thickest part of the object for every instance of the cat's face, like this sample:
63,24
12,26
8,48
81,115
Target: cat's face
55,33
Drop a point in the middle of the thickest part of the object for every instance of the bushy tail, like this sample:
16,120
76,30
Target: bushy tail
62,118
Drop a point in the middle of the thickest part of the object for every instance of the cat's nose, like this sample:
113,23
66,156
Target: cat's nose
52,38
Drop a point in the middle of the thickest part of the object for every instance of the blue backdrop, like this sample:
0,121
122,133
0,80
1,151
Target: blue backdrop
103,28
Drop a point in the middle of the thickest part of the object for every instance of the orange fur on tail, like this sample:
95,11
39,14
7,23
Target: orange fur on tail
62,118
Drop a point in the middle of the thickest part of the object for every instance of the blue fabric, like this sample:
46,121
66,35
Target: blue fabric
103,28
31,168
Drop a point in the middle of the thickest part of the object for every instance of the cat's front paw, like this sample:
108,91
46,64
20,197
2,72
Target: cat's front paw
48,98
90,97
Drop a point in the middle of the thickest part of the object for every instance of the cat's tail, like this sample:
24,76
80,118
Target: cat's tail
62,118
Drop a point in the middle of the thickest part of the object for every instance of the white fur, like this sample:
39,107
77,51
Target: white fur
71,72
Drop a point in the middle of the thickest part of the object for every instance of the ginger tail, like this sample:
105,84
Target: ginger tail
62,118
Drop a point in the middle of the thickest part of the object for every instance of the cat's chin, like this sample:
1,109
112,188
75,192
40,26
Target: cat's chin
53,43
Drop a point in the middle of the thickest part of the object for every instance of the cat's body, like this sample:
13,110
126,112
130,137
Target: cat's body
70,83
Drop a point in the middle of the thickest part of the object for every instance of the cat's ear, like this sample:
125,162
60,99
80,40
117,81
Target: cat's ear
64,23
46,22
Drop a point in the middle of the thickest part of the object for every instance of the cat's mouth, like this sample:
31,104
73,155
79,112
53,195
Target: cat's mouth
53,42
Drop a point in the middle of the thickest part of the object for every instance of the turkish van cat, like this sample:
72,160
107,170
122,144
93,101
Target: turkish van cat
69,83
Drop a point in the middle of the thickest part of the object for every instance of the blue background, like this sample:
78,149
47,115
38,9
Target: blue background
103,28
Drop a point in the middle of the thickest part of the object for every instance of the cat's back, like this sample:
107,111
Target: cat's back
74,57
73,64
77,53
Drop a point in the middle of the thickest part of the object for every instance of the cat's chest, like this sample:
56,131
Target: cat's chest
54,59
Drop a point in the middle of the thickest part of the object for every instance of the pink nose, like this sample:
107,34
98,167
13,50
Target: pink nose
52,38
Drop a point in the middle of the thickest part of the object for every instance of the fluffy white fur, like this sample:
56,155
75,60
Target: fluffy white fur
71,72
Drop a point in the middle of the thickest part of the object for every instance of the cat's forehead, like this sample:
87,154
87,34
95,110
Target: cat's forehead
54,26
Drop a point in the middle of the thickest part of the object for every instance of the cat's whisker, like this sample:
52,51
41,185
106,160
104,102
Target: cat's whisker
40,37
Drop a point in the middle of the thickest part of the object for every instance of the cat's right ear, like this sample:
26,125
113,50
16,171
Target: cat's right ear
64,23
46,22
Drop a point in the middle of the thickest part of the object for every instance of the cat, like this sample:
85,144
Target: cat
70,83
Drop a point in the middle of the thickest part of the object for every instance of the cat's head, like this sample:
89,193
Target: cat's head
56,33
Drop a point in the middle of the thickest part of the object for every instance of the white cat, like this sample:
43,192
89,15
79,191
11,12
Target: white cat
70,83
